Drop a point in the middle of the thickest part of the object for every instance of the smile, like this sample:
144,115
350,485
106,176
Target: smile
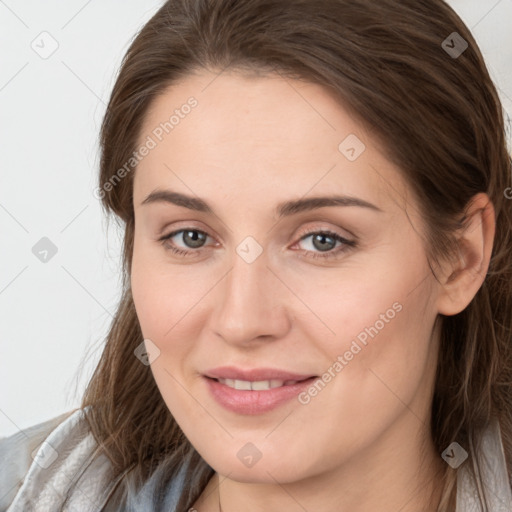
252,397
261,385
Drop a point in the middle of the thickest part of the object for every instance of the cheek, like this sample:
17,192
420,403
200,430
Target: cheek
381,315
364,298
160,304
374,382
162,295
170,303
384,364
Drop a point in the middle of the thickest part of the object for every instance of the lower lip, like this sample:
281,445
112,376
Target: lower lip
254,402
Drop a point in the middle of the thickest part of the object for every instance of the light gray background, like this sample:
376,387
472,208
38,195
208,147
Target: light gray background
56,313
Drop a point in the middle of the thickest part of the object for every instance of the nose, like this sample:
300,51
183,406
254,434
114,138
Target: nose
251,304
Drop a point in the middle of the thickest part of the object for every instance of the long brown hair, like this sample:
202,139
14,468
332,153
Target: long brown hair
437,116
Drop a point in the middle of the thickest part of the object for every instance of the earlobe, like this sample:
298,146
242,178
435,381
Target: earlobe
462,279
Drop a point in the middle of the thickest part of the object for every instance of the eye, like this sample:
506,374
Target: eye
194,237
321,241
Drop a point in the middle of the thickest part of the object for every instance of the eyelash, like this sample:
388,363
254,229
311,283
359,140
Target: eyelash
348,244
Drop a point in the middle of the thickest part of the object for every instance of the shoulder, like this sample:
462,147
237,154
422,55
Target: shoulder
16,456
42,465
180,473
493,479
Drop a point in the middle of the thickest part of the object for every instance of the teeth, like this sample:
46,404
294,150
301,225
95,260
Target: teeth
260,385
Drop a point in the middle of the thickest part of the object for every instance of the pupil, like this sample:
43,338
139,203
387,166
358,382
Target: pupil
195,236
321,238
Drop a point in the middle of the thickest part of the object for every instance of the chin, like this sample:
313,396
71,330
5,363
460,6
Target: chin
264,471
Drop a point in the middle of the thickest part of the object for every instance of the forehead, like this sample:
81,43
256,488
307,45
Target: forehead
263,135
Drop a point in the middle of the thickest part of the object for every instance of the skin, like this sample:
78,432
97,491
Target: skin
362,443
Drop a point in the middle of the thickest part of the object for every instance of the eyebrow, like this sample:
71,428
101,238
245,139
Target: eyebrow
284,209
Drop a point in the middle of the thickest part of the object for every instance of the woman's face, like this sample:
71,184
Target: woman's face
336,332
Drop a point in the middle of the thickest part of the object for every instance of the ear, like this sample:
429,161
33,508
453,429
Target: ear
461,280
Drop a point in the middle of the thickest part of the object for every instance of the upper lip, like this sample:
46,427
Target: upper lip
254,374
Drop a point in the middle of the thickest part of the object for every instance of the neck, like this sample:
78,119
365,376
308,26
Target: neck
405,475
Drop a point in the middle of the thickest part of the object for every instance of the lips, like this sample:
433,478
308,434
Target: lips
260,385
255,375
254,391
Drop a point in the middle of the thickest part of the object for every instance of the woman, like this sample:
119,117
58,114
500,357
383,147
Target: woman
317,298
